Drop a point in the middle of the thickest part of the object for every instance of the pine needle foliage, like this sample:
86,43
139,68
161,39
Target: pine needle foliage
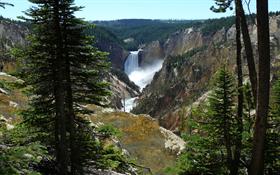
65,73
272,147
18,153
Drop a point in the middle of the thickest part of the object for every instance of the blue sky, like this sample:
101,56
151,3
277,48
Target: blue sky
144,9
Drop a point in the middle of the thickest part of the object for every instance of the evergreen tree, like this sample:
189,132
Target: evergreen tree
222,120
211,147
18,153
65,73
272,143
248,123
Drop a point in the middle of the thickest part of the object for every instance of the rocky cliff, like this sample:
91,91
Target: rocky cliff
181,42
117,53
12,34
191,59
106,41
151,52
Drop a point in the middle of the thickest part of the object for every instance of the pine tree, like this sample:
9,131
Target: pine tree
210,148
222,120
65,73
272,146
248,123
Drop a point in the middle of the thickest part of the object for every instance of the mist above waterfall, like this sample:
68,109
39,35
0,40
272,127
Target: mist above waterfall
143,76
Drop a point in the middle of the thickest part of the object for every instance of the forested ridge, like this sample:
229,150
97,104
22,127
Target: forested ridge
144,30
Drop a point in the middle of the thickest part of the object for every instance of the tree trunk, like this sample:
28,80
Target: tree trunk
60,95
72,128
69,97
71,115
248,49
238,144
257,162
226,132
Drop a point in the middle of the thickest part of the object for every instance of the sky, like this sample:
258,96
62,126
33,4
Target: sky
138,9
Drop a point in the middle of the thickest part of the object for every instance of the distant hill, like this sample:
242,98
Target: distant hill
139,22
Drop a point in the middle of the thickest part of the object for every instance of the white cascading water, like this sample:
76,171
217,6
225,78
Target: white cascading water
131,63
141,76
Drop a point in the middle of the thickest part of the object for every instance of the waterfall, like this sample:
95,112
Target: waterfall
141,76
131,64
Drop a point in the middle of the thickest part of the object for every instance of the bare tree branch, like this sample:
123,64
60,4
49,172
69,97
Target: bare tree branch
248,2
3,4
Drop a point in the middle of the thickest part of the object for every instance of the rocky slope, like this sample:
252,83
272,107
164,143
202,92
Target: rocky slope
11,98
191,59
150,146
153,147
